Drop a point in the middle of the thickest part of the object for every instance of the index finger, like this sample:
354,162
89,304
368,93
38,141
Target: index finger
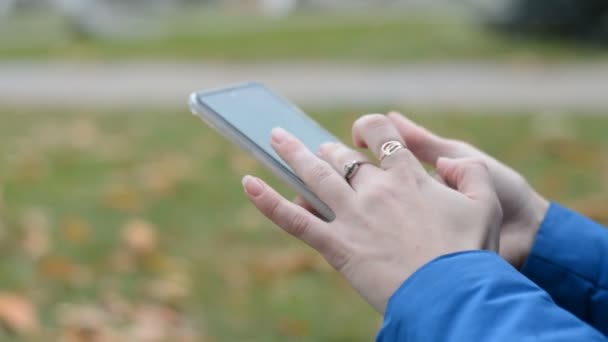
316,173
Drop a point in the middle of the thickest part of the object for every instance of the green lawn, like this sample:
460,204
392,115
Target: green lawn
198,260
375,36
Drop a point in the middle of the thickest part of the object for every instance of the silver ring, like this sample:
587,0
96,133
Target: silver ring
389,148
351,168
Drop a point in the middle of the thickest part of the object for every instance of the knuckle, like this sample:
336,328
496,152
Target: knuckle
291,146
320,172
273,206
420,179
298,224
380,193
338,259
477,163
336,252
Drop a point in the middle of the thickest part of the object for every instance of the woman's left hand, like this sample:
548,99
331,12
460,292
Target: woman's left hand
391,219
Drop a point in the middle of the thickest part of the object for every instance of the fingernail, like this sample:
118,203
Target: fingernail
253,186
279,135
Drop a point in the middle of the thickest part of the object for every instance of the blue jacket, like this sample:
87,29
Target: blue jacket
561,294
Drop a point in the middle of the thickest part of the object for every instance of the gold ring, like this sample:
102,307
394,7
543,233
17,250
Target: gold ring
389,148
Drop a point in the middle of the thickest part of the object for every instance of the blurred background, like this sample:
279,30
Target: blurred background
122,216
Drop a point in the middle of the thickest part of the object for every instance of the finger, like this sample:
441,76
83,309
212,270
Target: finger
375,130
338,156
427,146
293,219
302,203
317,174
470,176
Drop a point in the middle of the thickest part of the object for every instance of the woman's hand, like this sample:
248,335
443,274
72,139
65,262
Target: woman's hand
523,208
390,220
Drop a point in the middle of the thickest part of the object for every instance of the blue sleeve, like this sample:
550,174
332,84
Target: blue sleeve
569,260
477,296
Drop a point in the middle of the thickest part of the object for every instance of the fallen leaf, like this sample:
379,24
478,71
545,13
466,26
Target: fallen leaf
293,328
272,266
122,197
83,133
115,149
58,268
122,261
152,323
140,236
595,207
36,241
173,288
30,167
162,175
18,314
75,229
84,323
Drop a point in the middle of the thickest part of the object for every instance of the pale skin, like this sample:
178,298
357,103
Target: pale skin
392,218
523,208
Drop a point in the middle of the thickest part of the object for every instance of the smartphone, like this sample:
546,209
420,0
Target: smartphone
246,113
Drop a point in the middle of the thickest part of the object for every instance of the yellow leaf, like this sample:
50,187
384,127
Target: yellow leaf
173,289
271,266
83,133
293,328
30,167
162,175
58,268
595,207
140,236
75,229
36,241
122,197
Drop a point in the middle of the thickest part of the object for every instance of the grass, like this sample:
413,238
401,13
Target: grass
373,37
71,184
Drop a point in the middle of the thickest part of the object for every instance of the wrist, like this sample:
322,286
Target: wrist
530,222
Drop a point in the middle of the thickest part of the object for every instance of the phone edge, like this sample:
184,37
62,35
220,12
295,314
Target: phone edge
214,120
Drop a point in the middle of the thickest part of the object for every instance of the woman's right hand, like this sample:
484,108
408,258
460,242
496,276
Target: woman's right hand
523,208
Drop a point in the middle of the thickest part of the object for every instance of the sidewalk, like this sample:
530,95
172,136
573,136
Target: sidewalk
480,86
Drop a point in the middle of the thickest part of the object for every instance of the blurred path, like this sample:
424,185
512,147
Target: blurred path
483,86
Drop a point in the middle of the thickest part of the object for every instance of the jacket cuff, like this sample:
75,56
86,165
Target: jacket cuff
431,288
566,257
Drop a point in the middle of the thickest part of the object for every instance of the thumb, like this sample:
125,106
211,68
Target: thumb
470,176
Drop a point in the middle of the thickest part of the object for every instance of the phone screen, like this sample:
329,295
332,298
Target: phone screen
254,111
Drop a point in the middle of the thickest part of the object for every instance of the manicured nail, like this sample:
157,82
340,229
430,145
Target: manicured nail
279,135
253,186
